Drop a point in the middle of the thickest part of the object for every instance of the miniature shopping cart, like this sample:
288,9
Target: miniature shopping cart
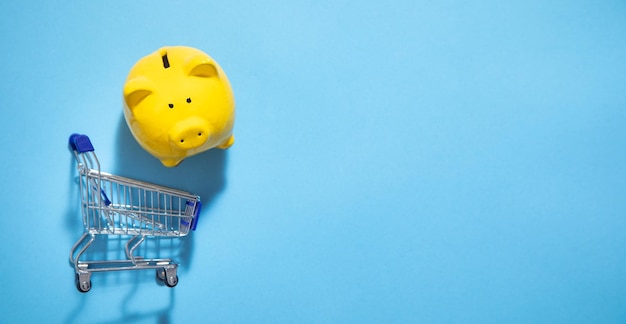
114,205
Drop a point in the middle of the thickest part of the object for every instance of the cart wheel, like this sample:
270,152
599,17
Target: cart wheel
171,281
82,286
160,274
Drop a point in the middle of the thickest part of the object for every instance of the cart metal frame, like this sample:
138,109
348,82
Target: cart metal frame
115,205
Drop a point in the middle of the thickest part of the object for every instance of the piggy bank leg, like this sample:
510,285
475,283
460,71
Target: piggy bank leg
227,143
170,163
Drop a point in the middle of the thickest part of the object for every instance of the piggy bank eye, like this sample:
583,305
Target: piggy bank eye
171,106
188,100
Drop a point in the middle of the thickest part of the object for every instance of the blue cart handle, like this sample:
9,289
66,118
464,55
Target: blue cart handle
196,214
80,143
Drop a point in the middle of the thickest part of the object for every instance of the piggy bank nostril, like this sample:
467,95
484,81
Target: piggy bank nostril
191,138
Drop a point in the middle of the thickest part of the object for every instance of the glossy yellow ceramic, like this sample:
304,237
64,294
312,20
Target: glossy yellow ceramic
178,103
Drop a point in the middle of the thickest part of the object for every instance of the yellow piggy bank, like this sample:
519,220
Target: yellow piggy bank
178,103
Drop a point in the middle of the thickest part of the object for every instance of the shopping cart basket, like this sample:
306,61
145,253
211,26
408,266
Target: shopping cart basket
114,205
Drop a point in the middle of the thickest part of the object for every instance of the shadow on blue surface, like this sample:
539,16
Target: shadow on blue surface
203,174
127,314
162,316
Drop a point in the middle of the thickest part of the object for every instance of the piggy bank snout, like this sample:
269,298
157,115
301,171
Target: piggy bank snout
190,134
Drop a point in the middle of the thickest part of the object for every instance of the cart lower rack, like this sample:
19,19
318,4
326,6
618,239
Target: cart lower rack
114,205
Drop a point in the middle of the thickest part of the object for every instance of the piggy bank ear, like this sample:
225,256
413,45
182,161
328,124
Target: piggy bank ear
200,66
135,91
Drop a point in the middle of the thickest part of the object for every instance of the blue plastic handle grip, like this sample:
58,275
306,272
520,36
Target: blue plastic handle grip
72,139
196,214
81,143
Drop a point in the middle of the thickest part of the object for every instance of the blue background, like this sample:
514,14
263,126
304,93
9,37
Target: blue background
395,162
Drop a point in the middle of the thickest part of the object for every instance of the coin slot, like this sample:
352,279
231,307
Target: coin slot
166,62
